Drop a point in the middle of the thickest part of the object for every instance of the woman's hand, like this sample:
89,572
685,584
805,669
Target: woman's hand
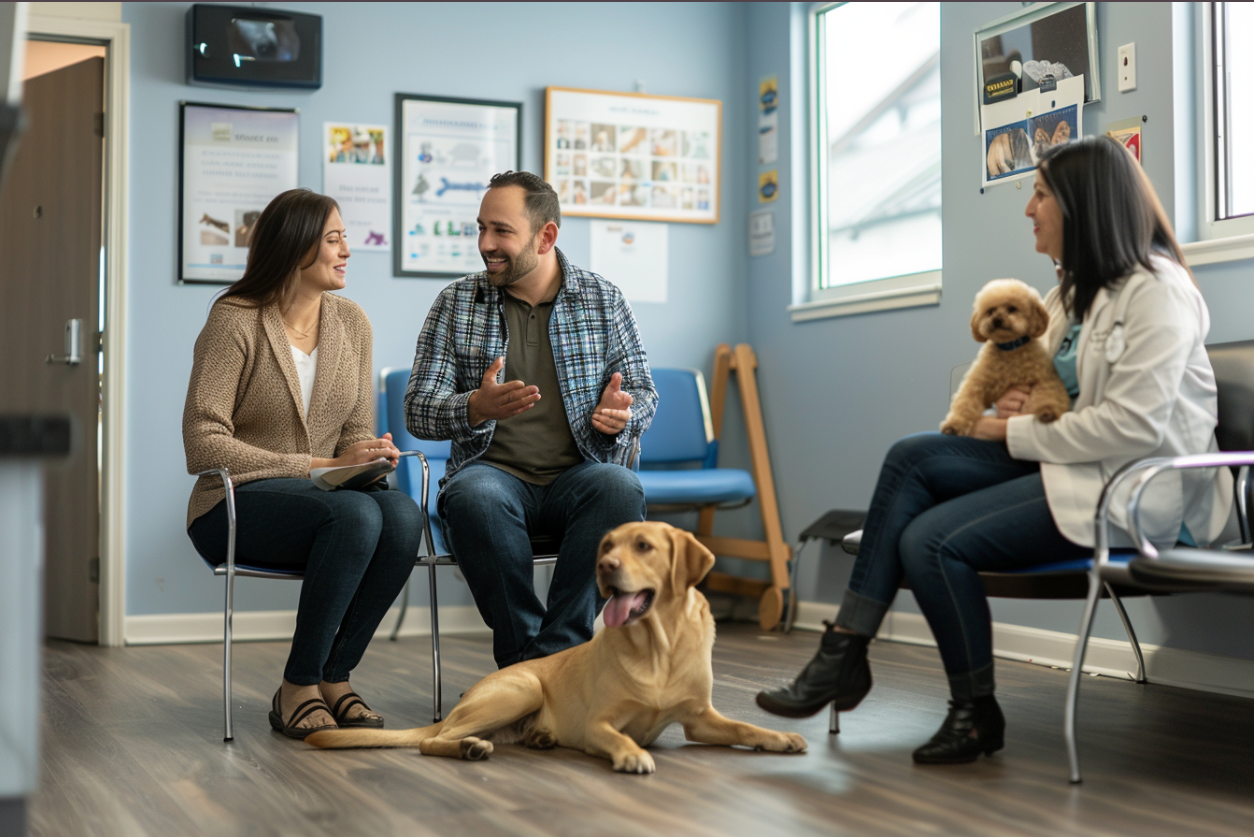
361,453
990,429
1012,403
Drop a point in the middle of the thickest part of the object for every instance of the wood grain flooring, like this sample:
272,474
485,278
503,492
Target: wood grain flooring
132,746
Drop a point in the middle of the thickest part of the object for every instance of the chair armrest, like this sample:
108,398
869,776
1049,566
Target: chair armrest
426,497
225,474
1154,467
852,542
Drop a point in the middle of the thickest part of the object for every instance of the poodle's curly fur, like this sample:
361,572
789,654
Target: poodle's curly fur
1006,310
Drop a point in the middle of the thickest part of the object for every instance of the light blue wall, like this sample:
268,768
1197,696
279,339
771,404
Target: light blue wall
503,51
840,391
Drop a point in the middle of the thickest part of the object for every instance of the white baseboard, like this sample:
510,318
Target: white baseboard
1109,657
178,628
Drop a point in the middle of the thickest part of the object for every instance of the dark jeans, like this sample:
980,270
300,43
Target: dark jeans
488,517
945,508
357,549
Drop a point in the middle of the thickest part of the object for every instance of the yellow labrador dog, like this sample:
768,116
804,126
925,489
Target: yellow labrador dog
614,695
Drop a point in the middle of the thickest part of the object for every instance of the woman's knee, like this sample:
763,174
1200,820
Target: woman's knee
356,511
912,448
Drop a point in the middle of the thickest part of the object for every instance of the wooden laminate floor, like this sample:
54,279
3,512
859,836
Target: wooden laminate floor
132,745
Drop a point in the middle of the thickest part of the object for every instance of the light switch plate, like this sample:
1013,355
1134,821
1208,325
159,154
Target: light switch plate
1127,68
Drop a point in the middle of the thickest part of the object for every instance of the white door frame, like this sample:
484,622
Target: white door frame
117,38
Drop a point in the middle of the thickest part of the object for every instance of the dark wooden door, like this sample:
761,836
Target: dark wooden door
51,206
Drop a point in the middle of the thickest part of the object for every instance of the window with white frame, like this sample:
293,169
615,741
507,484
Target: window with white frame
1228,197
876,157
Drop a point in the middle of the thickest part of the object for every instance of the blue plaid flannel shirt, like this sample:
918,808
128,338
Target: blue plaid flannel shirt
593,335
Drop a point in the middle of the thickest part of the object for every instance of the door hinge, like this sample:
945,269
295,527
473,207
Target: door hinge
98,124
93,570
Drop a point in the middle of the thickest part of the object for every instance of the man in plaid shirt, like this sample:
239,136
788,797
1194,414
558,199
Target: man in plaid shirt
548,452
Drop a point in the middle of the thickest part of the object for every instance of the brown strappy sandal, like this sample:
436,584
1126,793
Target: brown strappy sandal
346,702
302,712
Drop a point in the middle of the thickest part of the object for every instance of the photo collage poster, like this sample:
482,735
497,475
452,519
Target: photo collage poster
450,150
1019,130
235,161
356,171
633,156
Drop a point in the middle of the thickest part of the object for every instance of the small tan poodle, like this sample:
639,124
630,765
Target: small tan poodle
1008,318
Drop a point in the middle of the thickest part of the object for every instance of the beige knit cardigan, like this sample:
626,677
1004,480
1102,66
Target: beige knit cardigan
244,408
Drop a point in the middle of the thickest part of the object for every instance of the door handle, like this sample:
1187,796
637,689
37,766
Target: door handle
73,344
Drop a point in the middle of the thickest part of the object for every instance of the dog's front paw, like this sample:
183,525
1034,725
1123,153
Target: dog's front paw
475,749
950,429
638,762
784,742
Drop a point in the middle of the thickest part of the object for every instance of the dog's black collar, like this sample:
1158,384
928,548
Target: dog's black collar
1014,344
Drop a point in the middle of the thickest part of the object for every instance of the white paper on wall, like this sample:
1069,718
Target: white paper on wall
633,256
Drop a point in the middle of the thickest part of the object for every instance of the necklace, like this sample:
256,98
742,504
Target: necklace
304,334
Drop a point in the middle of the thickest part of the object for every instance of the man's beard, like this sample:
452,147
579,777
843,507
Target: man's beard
515,268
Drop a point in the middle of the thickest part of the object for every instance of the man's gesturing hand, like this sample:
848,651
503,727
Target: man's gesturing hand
614,409
499,401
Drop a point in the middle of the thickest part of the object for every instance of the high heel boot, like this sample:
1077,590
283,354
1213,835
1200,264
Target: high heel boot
971,727
838,674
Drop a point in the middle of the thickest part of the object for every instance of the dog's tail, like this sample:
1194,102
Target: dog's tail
342,739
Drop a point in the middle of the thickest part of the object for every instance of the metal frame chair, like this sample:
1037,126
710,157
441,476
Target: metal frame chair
392,420
231,570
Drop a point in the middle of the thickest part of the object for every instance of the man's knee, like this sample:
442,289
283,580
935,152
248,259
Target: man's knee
616,486
478,491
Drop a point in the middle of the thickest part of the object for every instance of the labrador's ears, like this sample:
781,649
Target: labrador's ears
1038,319
690,560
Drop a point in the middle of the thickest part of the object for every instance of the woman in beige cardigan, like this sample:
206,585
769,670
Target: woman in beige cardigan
281,384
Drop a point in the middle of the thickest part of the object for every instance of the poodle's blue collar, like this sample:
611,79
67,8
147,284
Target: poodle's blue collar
1014,344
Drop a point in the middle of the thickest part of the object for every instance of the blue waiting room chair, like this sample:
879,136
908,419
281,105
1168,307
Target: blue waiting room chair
679,472
415,476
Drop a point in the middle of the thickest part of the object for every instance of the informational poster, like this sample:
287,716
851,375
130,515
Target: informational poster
632,155
768,186
1019,129
233,162
357,172
1128,133
632,255
761,232
447,151
768,120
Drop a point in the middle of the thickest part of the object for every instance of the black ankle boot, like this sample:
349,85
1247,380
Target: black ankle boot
839,674
954,743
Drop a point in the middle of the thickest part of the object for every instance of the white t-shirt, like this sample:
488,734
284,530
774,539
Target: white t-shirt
306,366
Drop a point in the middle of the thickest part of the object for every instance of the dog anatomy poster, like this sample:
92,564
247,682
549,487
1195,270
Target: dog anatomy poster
232,162
446,152
356,172
1017,131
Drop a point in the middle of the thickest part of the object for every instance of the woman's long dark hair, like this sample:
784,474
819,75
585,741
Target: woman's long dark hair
284,241
1112,220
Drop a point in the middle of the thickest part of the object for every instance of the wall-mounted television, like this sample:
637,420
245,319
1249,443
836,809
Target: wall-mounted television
244,45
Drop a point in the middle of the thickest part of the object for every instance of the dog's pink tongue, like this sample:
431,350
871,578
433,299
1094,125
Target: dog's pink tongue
619,607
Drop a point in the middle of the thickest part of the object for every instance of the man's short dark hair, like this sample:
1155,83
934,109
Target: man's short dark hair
541,201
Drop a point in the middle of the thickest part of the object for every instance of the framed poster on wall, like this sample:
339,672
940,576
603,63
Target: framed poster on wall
446,152
632,155
232,162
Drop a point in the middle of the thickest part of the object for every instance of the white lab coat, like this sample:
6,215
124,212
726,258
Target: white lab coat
1146,389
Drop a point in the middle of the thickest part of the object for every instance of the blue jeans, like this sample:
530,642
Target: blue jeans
489,517
945,508
356,548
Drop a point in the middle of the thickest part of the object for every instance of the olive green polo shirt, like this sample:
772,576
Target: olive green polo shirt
536,446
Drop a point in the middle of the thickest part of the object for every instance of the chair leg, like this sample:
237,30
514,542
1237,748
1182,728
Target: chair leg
791,605
437,686
1077,666
396,631
1127,626
833,725
228,613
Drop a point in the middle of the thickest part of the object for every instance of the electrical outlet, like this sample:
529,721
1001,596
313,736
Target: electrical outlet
1127,68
